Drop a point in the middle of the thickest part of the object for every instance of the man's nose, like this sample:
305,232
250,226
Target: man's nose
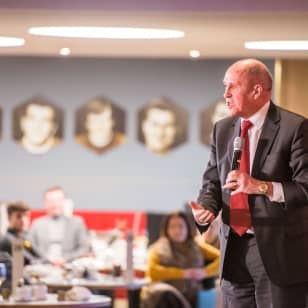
227,92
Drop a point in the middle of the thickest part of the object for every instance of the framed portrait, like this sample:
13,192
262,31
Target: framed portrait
162,125
37,125
100,125
208,117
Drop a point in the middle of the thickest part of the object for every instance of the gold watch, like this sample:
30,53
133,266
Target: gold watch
263,188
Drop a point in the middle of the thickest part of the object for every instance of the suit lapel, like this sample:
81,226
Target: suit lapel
268,135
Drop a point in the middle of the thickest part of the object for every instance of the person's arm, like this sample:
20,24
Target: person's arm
211,236
33,238
209,201
296,191
5,245
211,256
82,241
293,192
157,272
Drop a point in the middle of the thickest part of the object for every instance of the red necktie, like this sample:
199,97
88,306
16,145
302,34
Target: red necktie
240,220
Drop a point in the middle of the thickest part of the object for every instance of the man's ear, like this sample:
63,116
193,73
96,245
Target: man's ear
257,90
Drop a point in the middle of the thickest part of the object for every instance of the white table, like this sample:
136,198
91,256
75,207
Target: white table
96,301
105,283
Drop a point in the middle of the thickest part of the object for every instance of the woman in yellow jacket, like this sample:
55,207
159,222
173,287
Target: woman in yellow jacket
177,264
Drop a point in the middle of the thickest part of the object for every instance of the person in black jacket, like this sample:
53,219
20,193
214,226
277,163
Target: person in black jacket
18,218
264,204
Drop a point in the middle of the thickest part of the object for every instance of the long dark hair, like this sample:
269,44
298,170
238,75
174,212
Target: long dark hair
180,214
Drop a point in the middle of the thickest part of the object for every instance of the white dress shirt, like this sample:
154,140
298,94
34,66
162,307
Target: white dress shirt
254,135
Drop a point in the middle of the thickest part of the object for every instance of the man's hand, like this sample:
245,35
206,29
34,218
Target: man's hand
240,181
57,261
201,215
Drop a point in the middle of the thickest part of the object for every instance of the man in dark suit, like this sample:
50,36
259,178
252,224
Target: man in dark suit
264,252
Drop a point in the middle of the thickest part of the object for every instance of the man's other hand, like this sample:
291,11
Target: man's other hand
201,215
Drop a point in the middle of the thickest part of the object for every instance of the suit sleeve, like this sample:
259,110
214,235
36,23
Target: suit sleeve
296,191
210,192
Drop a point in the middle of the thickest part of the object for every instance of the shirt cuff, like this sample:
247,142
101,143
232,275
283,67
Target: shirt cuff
200,224
278,194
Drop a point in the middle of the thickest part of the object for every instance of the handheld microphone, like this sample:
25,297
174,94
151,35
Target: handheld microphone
238,146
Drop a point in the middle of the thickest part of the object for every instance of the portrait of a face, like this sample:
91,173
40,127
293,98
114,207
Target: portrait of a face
208,117
162,125
37,125
100,125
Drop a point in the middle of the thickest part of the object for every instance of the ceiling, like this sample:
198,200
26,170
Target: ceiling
215,35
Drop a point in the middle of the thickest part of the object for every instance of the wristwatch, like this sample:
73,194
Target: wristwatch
263,188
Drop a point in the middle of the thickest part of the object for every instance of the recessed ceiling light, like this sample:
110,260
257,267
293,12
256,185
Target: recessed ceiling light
107,32
277,45
65,51
194,53
6,41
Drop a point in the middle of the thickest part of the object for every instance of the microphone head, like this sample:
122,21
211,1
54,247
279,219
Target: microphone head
238,143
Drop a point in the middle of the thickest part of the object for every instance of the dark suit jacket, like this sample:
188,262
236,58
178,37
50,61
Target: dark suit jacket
30,253
281,229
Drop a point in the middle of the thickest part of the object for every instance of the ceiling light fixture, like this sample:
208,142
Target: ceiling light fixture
65,51
107,32
6,41
194,53
277,45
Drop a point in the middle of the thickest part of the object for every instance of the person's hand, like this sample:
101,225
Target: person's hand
198,273
188,273
57,261
194,273
201,215
240,181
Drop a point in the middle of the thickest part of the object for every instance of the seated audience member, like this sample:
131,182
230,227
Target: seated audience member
176,265
57,237
18,218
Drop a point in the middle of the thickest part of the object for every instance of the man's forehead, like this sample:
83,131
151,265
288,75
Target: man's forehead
20,213
233,75
54,194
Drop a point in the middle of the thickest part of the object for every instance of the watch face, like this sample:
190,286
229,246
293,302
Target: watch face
263,188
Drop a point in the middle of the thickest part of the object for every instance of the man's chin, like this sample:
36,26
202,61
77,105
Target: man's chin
234,113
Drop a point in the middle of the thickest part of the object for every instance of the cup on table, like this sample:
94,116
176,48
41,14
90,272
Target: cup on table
6,293
61,295
39,291
23,293
116,270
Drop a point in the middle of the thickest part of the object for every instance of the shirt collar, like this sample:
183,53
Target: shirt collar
258,118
